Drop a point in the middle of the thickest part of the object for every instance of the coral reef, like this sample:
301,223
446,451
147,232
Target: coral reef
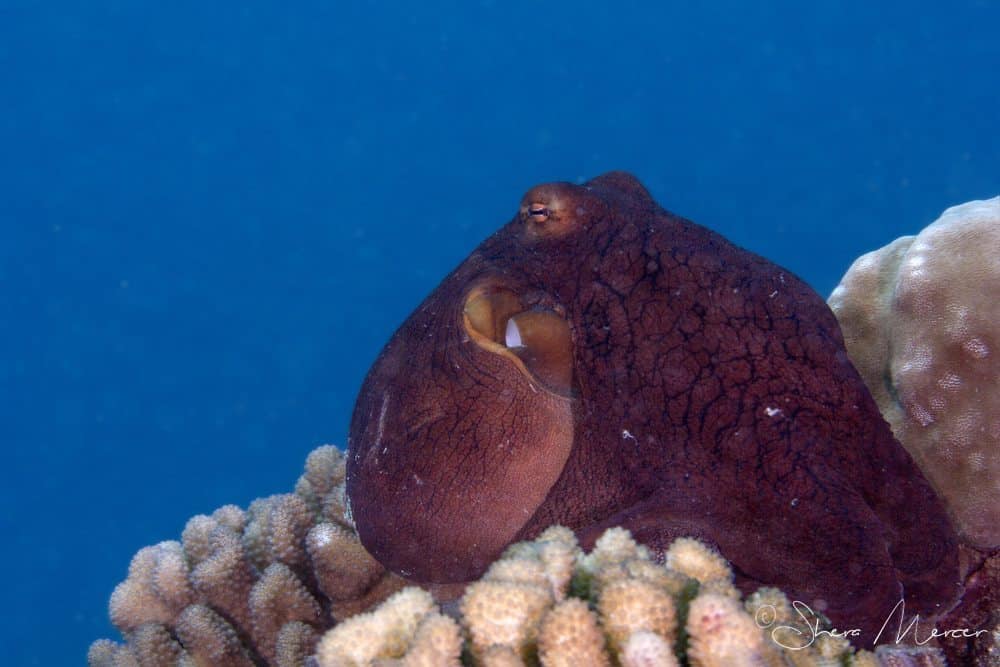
546,603
248,587
920,320
287,581
262,586
407,627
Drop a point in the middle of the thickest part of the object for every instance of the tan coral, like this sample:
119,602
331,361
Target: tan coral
437,643
503,613
275,530
553,553
699,561
279,597
631,593
500,656
770,606
156,645
209,639
156,590
346,574
254,587
864,659
920,321
295,644
721,634
505,607
627,606
322,485
261,587
106,653
647,649
225,577
614,547
784,626
570,637
383,633
617,556
406,629
781,623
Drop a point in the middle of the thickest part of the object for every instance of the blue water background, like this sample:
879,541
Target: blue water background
212,215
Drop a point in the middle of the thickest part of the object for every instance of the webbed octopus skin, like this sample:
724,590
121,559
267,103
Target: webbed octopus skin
600,361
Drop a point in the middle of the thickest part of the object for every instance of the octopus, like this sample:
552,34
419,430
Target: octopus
599,361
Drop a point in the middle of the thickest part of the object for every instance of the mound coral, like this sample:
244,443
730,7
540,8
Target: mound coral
920,319
262,586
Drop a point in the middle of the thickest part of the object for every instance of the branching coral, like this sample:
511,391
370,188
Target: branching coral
261,587
613,606
248,588
405,630
921,320
722,633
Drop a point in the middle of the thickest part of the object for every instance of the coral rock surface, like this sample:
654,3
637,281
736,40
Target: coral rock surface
921,319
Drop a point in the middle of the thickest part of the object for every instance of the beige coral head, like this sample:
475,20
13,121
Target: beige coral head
921,320
384,633
252,587
627,606
570,637
698,561
647,649
504,613
616,545
721,634
156,590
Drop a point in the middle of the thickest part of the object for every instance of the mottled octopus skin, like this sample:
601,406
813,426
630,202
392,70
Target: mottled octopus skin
711,396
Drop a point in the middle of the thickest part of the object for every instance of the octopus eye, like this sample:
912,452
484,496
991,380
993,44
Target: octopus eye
538,341
538,212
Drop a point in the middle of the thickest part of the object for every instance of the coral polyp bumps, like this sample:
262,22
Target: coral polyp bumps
260,587
546,602
921,320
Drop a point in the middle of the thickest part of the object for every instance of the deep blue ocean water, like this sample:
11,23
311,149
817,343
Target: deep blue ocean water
212,215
